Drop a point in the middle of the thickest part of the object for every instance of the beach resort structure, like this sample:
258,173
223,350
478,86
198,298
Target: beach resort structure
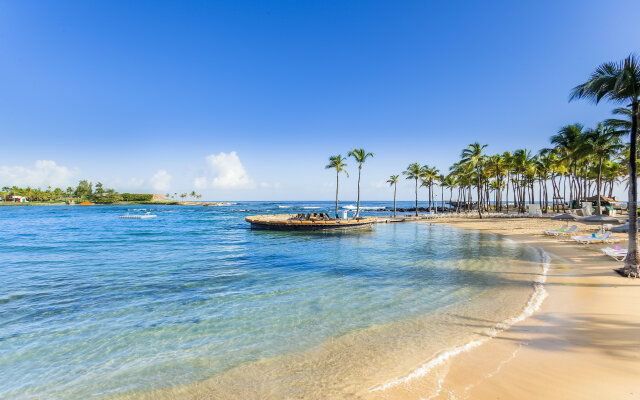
308,222
17,199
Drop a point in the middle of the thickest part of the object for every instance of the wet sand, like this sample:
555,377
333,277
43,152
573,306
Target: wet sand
583,343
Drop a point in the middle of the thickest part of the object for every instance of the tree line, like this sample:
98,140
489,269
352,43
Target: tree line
84,191
579,163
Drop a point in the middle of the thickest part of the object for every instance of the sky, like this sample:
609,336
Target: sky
246,100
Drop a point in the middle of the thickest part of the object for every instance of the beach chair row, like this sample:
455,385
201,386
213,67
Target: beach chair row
599,237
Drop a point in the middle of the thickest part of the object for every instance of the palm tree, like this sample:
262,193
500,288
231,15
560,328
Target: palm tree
497,163
568,144
360,156
603,143
450,183
428,177
622,125
393,181
414,171
337,163
193,194
472,155
440,180
620,82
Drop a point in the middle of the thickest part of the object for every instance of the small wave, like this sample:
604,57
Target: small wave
285,206
310,208
534,303
350,207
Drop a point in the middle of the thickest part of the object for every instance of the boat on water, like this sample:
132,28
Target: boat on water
147,215
308,222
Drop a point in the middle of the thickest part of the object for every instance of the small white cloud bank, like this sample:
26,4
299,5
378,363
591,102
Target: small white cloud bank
224,171
42,174
161,180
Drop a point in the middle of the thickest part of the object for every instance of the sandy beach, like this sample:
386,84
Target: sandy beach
583,342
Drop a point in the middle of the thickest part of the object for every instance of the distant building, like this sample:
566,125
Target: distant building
17,199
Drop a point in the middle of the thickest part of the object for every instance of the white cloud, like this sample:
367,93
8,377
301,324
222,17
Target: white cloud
43,173
135,183
161,180
267,185
379,184
200,183
224,171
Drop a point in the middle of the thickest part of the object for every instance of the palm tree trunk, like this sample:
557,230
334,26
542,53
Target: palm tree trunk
508,176
337,184
450,198
358,201
631,267
395,187
479,194
598,211
611,189
416,197
564,194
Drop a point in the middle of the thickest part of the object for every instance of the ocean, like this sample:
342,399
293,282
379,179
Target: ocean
194,303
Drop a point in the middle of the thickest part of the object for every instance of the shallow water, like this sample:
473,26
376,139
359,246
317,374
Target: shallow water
95,306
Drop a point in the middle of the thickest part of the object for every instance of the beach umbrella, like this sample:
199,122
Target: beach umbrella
599,220
622,228
565,216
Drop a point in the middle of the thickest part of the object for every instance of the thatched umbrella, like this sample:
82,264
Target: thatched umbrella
622,228
565,216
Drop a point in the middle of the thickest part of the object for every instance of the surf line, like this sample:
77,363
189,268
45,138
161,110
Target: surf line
534,303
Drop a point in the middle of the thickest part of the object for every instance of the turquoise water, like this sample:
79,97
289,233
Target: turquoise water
95,306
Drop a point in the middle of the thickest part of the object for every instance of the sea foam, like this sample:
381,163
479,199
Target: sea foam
534,303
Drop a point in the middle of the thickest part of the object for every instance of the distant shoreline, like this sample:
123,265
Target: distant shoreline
122,203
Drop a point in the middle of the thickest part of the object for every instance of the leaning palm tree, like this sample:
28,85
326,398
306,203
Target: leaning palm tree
414,171
360,156
620,82
337,163
393,181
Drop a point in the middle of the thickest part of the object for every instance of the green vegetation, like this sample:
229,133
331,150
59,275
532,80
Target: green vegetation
583,160
620,83
85,191
136,197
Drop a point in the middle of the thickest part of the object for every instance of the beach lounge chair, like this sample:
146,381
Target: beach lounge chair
616,254
578,238
551,231
570,231
595,239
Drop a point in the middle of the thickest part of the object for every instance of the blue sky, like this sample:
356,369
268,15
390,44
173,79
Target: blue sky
247,100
